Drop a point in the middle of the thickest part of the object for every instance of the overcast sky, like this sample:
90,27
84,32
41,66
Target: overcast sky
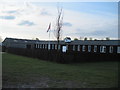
29,20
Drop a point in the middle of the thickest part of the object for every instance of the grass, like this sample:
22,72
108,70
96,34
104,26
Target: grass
19,70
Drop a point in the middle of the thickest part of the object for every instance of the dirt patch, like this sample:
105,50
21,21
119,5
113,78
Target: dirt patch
42,82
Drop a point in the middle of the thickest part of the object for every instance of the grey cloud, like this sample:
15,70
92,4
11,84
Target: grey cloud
99,33
110,33
11,12
7,17
67,24
44,12
26,23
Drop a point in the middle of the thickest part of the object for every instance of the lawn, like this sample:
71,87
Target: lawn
24,72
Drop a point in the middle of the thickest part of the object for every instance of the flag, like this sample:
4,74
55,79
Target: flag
49,27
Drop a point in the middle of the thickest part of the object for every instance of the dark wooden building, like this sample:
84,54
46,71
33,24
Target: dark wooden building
75,50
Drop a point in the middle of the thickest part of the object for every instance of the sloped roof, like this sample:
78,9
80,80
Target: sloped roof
76,42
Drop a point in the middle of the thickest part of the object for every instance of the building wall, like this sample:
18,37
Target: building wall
75,51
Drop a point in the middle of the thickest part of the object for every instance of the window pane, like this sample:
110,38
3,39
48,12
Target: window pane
48,46
89,48
40,46
83,48
59,47
111,49
36,46
73,47
118,49
78,47
95,48
55,46
102,49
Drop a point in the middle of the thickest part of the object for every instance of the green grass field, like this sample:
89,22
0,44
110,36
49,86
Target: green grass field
19,71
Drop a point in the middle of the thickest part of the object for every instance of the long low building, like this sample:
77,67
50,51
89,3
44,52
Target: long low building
90,46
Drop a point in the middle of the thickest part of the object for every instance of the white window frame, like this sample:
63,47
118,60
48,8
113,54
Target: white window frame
73,47
52,46
89,48
56,46
83,48
64,48
35,45
45,46
95,48
49,46
40,45
103,49
78,48
111,49
118,49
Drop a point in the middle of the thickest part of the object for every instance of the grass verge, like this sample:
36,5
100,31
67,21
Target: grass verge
19,71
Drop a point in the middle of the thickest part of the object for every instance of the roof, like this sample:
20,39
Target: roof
76,42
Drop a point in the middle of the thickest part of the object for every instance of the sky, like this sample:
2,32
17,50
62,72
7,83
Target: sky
28,20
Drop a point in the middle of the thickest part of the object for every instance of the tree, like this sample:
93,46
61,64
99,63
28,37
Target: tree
75,39
90,38
59,24
37,38
85,38
81,38
107,38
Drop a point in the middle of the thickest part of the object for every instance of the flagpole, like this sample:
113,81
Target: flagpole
49,39
49,36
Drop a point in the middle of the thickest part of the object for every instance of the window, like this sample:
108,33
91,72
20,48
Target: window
73,47
78,49
64,49
35,45
56,46
45,46
52,46
95,48
83,48
102,49
48,46
111,49
40,46
118,49
89,48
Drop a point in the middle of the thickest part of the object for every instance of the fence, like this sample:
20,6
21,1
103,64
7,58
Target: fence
64,57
